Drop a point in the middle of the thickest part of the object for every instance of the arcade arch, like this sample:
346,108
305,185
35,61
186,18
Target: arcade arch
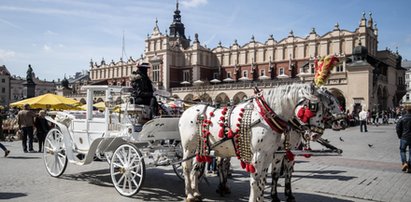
238,97
222,99
340,97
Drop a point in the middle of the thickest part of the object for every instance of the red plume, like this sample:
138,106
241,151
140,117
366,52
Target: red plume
290,155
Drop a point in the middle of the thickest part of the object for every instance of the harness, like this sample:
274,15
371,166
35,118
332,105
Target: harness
241,135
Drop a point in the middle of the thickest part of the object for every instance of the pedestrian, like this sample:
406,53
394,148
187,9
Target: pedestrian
212,166
368,117
363,116
42,128
25,120
6,151
403,130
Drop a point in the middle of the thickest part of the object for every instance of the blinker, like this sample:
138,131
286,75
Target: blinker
313,106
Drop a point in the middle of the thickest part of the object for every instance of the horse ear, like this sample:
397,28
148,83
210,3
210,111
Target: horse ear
313,88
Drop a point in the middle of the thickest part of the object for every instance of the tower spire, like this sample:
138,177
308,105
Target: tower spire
177,29
123,51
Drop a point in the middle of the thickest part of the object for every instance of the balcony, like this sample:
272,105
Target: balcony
236,85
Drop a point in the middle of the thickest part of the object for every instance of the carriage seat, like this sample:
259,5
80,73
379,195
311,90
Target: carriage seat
142,111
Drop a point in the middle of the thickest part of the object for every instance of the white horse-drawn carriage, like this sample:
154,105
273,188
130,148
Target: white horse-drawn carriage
122,136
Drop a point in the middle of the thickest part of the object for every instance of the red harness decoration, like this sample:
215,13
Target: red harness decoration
304,114
276,123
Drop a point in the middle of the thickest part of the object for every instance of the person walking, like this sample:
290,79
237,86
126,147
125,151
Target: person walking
403,129
6,151
42,128
25,120
363,116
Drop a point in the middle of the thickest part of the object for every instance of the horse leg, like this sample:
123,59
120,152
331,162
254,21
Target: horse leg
288,167
276,173
187,168
195,176
223,165
261,162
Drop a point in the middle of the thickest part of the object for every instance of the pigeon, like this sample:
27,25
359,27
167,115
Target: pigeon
341,139
370,145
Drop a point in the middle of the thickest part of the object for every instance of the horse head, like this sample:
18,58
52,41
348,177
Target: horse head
334,117
309,113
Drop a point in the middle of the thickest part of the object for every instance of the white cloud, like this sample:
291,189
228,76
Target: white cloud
46,47
193,3
10,24
6,54
50,33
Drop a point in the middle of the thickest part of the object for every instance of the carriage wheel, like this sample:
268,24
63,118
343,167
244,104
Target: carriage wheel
178,168
127,169
54,155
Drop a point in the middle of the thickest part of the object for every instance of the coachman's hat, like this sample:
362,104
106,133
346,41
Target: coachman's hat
143,65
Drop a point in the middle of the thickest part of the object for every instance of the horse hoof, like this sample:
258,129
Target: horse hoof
291,199
220,191
275,199
227,190
198,198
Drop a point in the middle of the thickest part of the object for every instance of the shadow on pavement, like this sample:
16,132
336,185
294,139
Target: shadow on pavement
322,171
98,177
11,195
327,177
312,197
23,157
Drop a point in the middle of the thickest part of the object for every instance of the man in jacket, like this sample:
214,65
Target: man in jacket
25,119
403,129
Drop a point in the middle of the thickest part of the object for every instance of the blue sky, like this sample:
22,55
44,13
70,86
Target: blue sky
59,37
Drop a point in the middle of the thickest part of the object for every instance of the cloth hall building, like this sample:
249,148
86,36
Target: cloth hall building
367,77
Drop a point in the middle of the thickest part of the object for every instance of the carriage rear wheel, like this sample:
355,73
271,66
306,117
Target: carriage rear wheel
54,155
127,169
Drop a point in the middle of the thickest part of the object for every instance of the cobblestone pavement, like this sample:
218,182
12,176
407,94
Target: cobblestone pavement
361,173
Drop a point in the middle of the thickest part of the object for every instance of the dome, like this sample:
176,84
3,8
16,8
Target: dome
360,52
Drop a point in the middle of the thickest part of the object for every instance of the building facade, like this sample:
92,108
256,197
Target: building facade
366,76
407,98
4,86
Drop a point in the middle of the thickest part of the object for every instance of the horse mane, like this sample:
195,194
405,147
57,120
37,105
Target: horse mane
283,98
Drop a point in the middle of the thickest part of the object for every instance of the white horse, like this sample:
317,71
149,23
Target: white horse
251,131
283,164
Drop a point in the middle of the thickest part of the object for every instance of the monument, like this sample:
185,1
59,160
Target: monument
29,84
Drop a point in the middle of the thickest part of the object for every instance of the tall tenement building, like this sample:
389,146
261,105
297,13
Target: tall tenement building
367,77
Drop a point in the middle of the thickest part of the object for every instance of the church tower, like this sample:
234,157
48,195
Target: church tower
177,30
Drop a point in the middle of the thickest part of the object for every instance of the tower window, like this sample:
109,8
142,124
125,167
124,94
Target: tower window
281,71
156,73
186,75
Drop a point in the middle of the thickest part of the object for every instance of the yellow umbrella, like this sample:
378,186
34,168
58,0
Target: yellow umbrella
99,105
48,101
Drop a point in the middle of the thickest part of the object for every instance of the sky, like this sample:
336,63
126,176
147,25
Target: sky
60,37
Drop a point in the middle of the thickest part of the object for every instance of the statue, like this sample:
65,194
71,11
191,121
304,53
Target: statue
29,76
143,89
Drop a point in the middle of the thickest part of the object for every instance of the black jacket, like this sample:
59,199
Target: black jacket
404,127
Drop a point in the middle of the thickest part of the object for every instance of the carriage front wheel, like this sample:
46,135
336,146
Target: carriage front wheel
54,155
127,169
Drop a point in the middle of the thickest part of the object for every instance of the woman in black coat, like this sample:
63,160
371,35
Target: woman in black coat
42,127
